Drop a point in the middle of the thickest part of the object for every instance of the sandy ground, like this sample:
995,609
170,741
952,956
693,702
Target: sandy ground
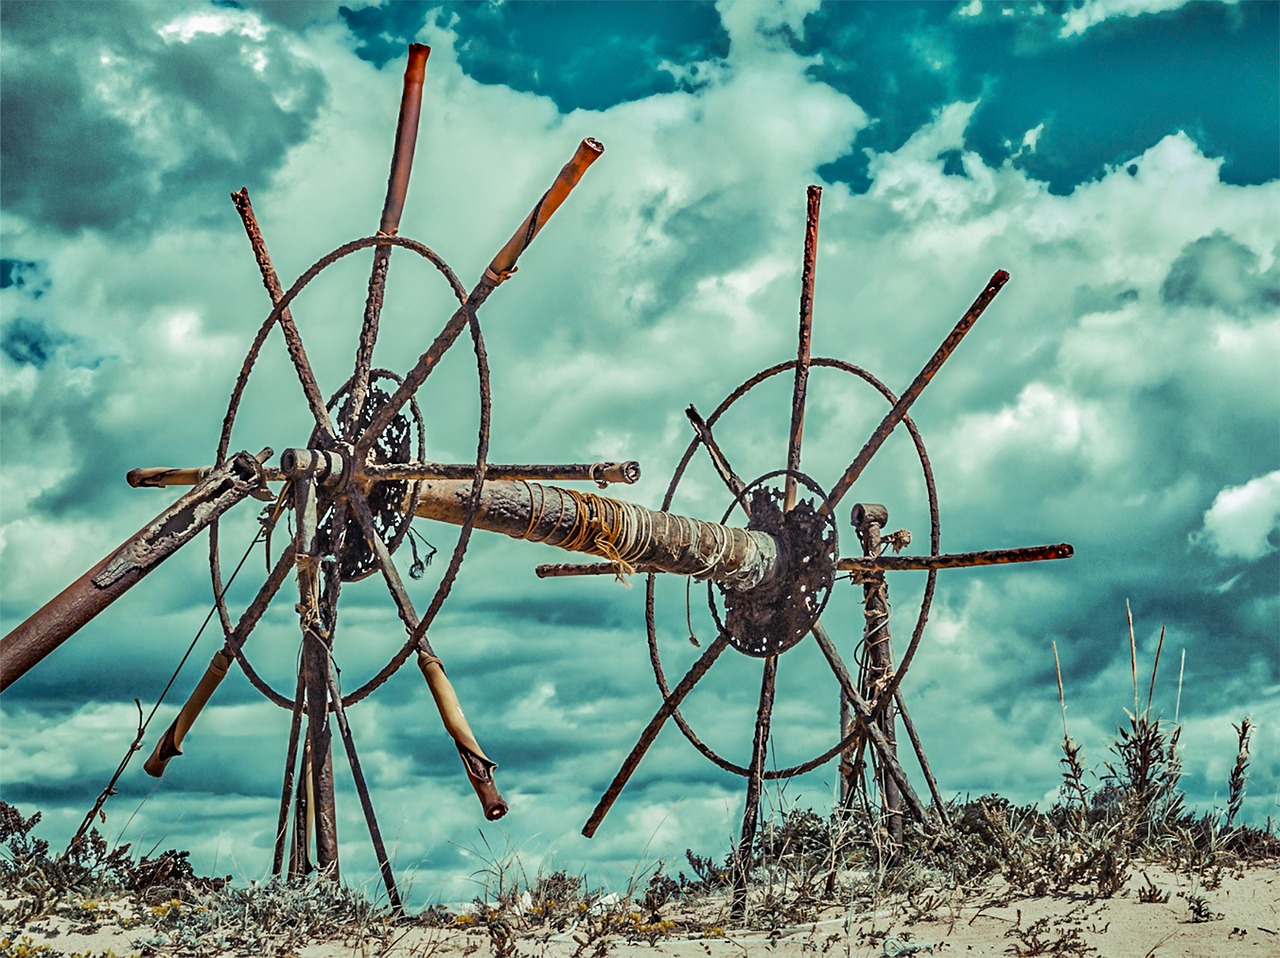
1240,917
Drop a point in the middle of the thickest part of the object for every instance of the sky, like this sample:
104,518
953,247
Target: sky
1119,159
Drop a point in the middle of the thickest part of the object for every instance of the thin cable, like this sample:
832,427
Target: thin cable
136,745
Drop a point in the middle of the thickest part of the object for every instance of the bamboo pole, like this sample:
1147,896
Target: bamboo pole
170,744
479,767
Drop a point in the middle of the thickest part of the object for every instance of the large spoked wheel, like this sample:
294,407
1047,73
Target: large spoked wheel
360,524
772,651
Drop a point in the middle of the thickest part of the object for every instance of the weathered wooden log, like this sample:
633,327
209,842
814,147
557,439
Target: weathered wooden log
79,602
629,536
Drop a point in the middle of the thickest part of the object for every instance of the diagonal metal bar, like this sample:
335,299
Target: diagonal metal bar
502,266
955,560
632,761
718,458
292,338
925,767
862,710
397,189
395,585
755,781
804,350
362,790
290,766
478,766
912,392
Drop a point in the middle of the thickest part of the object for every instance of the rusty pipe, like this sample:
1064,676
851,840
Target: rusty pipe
78,603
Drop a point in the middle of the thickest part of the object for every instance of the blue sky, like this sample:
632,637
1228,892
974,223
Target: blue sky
1118,159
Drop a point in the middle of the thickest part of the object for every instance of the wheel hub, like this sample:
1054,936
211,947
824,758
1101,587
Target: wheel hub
774,616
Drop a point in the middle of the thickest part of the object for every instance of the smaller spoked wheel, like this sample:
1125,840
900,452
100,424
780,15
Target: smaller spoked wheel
359,522
778,615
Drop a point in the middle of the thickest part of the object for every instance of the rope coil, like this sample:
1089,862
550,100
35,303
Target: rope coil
619,532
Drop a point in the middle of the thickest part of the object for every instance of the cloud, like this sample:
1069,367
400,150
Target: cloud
1219,271
1122,381
1241,522
176,100
1085,16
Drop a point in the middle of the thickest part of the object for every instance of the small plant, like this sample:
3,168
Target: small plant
1198,908
1239,771
1059,937
1150,893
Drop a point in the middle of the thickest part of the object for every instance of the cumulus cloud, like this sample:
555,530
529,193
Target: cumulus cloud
127,116
1123,380
1085,16
1242,521
1218,270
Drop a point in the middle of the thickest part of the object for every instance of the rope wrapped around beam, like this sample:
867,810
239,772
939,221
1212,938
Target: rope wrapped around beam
624,534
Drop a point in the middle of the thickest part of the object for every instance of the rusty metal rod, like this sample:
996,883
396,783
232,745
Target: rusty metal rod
389,225
78,603
600,473
814,194
502,266
288,328
477,765
557,570
362,790
718,458
669,705
755,783
956,560
866,718
290,766
900,408
316,651
161,477
925,767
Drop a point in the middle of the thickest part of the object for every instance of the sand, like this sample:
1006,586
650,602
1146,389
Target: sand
1239,916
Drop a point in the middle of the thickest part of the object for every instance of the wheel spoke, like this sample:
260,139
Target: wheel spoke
718,458
806,336
292,338
502,266
395,585
863,712
755,780
632,761
397,188
955,560
899,410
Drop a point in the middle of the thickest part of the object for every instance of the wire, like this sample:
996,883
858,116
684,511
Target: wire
136,745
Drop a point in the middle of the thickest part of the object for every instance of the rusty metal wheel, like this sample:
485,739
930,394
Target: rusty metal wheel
702,666
361,528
